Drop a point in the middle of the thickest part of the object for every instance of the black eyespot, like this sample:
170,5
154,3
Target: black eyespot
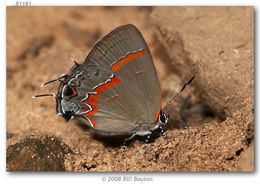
68,91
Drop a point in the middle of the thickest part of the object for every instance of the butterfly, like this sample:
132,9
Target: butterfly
115,91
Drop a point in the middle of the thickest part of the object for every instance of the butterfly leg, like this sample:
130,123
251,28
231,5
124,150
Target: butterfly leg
123,151
124,145
146,141
164,134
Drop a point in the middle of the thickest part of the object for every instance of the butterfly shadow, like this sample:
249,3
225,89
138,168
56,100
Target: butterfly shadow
118,141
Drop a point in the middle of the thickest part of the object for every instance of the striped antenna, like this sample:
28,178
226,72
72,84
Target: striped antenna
59,78
184,86
51,94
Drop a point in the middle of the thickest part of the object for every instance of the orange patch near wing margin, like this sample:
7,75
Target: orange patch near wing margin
93,98
114,80
158,112
130,57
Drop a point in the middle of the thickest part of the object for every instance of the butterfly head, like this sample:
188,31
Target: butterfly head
163,118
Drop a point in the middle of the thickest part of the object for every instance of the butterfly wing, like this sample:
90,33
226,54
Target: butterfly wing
119,88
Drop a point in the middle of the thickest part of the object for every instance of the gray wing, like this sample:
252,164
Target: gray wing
135,97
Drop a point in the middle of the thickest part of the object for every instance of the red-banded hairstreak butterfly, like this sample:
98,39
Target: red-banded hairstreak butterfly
115,91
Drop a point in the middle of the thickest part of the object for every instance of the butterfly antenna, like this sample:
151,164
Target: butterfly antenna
42,95
57,79
184,86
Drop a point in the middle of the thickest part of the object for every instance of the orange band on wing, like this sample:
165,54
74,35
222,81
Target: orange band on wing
107,85
93,111
93,98
130,57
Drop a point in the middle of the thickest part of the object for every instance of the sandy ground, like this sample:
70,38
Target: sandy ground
212,122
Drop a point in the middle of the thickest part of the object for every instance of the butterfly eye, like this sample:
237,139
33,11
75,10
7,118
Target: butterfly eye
163,117
69,91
